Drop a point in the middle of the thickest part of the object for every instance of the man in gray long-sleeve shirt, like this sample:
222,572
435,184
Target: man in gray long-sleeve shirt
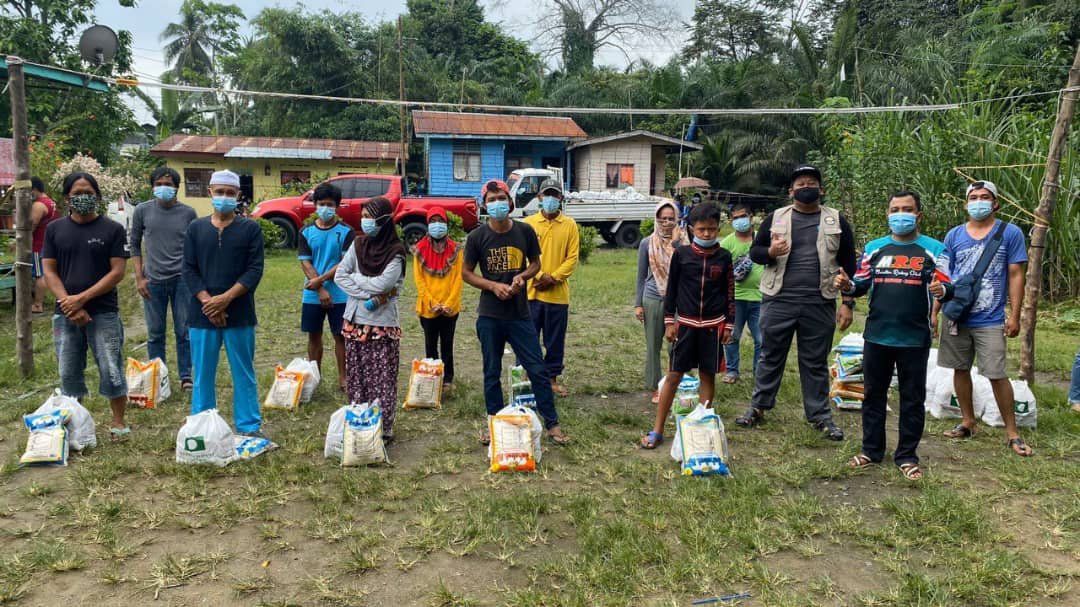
163,221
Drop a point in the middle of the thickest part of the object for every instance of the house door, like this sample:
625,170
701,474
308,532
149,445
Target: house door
247,189
652,178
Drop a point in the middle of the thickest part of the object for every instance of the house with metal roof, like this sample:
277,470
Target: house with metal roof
265,164
634,158
463,150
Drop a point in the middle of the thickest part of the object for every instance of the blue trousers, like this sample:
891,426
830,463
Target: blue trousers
747,315
162,293
550,321
240,349
494,334
1074,388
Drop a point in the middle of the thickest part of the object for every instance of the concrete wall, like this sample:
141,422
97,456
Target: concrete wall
266,186
590,164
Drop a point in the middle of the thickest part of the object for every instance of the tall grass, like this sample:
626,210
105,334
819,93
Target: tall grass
869,157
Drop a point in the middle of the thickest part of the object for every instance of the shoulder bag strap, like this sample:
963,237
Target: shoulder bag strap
989,252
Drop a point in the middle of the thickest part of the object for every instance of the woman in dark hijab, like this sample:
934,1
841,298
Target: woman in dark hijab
372,273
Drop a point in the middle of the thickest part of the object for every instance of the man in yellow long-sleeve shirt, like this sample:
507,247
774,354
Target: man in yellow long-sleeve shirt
549,291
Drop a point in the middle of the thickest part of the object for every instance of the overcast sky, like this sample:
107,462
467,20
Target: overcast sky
149,18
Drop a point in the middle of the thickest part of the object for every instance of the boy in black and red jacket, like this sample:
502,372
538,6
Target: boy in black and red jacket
699,308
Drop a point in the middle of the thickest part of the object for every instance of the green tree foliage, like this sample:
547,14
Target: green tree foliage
79,120
205,30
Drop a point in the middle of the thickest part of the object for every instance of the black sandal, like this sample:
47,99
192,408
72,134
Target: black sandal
960,431
1025,451
752,417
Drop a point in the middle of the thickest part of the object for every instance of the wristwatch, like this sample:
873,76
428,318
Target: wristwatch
849,303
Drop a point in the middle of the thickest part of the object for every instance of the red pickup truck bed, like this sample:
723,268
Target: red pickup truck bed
410,212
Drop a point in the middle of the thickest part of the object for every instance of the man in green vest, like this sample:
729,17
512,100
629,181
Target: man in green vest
803,246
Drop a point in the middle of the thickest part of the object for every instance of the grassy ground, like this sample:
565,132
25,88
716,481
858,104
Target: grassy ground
601,523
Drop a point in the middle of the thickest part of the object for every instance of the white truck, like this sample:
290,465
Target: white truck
616,215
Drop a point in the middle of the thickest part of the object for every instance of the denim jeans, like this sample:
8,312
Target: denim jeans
174,290
747,314
239,345
104,336
494,334
1074,388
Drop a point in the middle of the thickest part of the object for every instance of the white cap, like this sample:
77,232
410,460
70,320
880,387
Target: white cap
977,185
225,177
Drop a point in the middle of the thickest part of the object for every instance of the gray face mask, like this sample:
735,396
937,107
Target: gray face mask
83,204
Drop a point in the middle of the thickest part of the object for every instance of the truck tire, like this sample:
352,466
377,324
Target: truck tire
413,231
288,233
628,235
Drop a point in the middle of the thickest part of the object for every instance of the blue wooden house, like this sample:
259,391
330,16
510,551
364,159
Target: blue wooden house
464,150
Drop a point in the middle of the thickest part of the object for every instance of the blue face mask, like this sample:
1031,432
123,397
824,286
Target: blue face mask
224,204
902,224
437,230
326,213
980,209
165,193
369,226
498,209
741,224
550,204
703,243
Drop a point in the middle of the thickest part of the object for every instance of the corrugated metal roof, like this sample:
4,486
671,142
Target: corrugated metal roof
495,125
261,152
340,149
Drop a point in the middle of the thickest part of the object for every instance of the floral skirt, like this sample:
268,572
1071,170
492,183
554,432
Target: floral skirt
372,355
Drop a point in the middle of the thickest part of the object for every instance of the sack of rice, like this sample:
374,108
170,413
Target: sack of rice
425,385
148,383
286,391
515,439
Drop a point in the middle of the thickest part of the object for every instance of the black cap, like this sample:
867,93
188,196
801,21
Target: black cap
805,169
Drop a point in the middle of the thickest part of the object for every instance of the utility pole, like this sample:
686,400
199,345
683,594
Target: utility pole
1043,215
24,282
401,97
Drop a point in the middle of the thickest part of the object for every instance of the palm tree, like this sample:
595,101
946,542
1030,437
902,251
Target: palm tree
172,117
204,31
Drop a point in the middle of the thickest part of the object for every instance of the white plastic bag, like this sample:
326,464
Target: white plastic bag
81,430
148,383
312,377
982,396
205,438
939,389
335,432
516,434
700,436
363,442
1024,408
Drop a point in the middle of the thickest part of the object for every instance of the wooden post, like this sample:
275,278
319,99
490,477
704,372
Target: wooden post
401,97
1043,215
24,281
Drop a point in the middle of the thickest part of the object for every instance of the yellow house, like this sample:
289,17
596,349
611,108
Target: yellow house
267,163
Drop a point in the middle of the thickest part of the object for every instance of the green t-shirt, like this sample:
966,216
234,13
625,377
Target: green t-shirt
746,290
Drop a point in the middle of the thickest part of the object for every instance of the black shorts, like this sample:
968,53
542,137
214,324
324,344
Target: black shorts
698,349
313,315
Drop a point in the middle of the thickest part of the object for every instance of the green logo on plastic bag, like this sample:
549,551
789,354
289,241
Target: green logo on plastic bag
1021,406
194,443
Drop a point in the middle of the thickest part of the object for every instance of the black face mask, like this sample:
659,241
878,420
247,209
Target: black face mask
808,195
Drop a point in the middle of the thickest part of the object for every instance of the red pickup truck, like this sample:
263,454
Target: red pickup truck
410,212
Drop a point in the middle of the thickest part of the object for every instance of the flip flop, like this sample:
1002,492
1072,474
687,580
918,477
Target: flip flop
1019,447
118,435
559,439
960,431
730,379
652,440
560,391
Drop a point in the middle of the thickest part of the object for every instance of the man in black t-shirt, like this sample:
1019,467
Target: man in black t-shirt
84,257
508,254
